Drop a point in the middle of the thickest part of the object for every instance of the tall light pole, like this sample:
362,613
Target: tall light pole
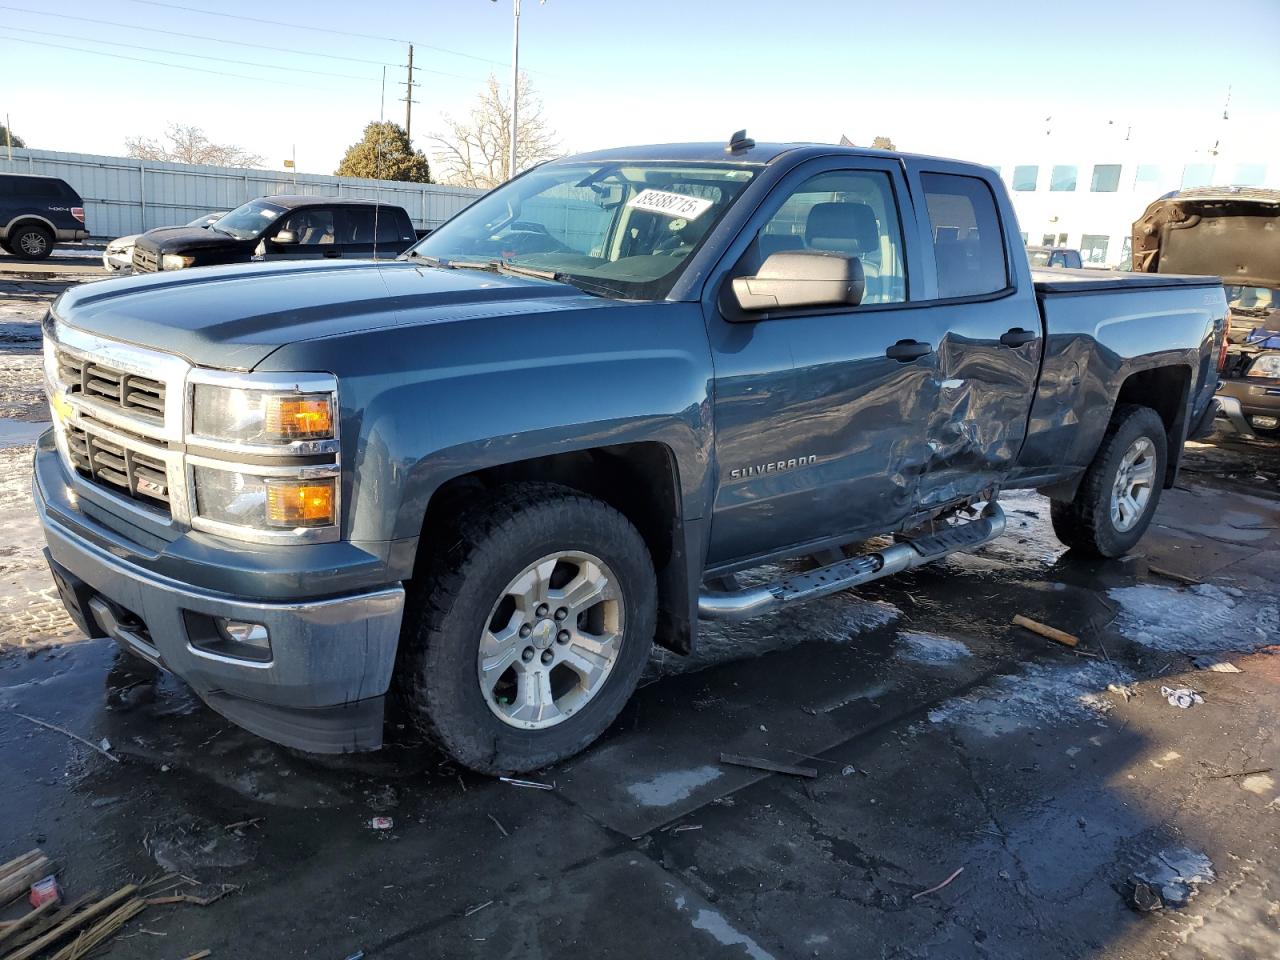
515,86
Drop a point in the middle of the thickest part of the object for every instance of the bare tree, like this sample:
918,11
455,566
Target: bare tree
882,143
476,152
187,144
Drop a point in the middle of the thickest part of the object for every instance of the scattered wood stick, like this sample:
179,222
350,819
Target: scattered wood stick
501,829
1211,776
772,766
191,898
18,926
1046,631
199,956
251,822
17,863
75,922
67,733
532,784
19,881
935,889
89,939
478,907
1171,575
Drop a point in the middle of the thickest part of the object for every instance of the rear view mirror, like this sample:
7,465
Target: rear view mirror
802,278
286,237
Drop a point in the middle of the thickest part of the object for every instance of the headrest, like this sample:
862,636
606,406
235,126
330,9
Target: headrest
844,227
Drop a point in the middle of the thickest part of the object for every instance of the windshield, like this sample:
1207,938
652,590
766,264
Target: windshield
248,220
617,229
205,219
1258,300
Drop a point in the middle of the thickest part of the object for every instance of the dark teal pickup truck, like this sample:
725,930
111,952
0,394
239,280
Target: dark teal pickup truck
472,487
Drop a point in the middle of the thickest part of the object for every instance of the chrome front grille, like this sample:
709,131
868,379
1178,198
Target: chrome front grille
104,384
145,261
98,455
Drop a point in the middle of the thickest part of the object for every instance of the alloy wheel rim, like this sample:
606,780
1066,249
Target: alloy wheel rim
1134,483
32,244
551,640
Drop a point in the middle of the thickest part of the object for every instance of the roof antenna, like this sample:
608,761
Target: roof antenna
739,141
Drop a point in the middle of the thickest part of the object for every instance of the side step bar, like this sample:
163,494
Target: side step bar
753,601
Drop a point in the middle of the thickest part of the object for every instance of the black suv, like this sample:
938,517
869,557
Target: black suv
36,213
280,228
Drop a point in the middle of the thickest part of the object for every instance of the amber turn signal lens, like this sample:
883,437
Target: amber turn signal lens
300,503
300,418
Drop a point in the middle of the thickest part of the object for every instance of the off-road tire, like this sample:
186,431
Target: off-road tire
436,688
16,237
1085,523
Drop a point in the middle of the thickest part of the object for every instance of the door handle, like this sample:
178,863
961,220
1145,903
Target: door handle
904,351
1017,337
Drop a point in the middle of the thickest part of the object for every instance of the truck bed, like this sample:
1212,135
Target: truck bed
1059,280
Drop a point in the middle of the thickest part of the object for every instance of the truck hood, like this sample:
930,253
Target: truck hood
1228,232
233,317
187,239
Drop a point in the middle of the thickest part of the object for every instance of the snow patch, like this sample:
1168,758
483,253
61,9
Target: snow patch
1203,618
1040,694
920,647
668,788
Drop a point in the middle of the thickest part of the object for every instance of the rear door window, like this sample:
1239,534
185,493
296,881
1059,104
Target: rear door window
968,245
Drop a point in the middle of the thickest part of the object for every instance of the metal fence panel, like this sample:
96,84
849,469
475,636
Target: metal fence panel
123,195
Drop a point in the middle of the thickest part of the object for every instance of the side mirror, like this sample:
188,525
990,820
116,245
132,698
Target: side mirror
802,278
285,237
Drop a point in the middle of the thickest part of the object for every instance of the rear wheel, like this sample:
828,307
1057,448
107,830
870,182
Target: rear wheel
525,638
31,241
1120,491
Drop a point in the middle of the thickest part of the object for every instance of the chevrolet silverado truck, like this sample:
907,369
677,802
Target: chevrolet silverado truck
471,488
1233,232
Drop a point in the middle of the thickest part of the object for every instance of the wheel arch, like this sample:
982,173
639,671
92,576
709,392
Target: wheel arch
1167,391
33,218
641,480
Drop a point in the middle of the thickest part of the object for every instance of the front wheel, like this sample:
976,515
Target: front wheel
527,635
31,242
1120,491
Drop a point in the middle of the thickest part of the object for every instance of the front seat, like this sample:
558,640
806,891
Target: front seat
848,227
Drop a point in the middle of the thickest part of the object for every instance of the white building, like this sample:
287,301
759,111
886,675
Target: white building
1090,203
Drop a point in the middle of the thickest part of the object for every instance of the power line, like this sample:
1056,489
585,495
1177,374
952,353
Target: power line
304,26
161,63
234,43
274,23
183,53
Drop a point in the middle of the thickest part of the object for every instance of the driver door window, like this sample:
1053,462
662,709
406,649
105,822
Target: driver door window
844,211
312,226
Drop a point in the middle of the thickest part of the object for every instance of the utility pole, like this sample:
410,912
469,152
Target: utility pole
408,99
515,90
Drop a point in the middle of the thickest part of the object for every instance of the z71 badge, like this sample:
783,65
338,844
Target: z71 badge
777,466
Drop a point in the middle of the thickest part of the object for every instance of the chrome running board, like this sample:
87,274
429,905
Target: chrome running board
853,572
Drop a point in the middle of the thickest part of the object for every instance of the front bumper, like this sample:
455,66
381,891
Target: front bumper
323,688
1246,399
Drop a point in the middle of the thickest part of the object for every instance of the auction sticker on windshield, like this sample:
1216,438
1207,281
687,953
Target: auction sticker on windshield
670,204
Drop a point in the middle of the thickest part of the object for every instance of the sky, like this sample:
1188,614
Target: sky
988,81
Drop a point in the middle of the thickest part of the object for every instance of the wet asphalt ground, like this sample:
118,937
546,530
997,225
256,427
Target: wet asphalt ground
944,738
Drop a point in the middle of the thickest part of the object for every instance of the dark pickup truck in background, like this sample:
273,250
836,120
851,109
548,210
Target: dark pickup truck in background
280,228
482,480
37,212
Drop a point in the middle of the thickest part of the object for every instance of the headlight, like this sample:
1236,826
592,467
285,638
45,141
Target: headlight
175,261
265,502
261,417
1267,365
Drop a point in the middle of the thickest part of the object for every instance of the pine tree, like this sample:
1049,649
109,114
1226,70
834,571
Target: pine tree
385,153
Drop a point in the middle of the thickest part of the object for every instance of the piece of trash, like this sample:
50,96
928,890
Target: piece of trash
239,824
381,823
1046,631
45,891
501,829
686,826
358,955
763,728
760,763
164,768
1142,898
1126,690
1214,665
848,771
531,784
937,887
1174,874
477,908
1182,697
105,744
